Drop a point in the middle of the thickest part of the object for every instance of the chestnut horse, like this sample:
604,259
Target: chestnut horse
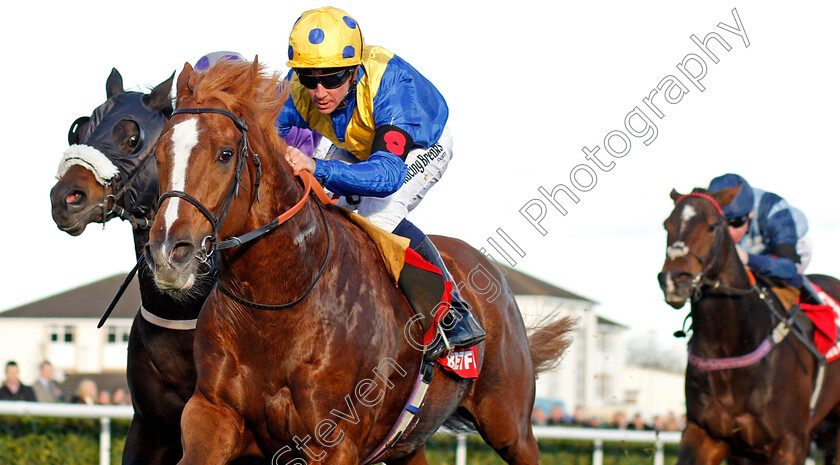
748,387
301,347
110,172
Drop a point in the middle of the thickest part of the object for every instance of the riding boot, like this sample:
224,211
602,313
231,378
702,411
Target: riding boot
810,291
457,328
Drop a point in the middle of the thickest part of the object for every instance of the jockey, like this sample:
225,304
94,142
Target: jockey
305,140
771,236
391,144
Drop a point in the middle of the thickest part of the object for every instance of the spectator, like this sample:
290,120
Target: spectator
104,398
119,397
539,417
671,422
681,422
619,421
658,423
557,416
86,393
12,388
637,423
579,418
594,422
45,387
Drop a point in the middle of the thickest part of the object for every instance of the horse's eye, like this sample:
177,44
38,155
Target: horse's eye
225,155
133,141
713,227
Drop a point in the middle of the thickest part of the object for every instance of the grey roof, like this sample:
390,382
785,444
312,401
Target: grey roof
524,284
88,301
605,321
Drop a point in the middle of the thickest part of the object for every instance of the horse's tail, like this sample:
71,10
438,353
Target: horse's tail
548,341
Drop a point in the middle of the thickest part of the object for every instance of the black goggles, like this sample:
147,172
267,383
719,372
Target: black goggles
329,81
738,221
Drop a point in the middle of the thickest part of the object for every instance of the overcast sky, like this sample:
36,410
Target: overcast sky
529,86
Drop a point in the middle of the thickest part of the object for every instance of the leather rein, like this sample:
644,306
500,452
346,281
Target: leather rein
210,244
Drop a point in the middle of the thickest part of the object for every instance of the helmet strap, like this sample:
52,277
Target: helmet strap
351,90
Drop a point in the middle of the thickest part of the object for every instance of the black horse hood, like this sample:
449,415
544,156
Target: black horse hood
96,148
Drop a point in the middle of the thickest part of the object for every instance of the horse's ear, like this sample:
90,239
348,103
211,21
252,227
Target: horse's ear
675,195
114,84
255,65
159,99
725,196
184,80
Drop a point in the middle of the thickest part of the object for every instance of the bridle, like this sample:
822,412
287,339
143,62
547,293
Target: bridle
122,213
209,244
218,219
108,206
701,280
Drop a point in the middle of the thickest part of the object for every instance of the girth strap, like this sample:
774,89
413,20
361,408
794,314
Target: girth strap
415,400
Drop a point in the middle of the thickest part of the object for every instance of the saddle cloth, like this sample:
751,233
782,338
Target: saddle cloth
397,255
826,320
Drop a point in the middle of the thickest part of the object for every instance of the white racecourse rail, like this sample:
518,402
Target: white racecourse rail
125,412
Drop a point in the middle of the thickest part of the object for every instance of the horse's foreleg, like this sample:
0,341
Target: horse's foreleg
212,434
150,444
698,448
791,449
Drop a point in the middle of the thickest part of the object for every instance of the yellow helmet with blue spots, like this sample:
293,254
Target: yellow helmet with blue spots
325,38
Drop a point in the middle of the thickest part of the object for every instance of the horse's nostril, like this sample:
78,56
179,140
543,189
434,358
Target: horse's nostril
683,277
182,253
74,197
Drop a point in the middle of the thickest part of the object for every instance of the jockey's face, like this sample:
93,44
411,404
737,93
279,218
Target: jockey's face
327,100
741,231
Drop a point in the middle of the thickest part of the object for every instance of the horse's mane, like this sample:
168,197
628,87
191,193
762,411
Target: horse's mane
247,90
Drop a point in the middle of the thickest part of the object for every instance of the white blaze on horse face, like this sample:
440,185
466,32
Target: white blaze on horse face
677,250
184,140
687,214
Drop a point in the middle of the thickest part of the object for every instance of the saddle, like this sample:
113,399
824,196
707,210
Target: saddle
822,319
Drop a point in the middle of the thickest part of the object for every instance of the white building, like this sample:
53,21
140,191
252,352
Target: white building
654,391
592,375
62,329
595,374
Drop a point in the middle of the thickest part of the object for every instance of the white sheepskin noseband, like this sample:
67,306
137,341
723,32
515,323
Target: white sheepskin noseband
92,159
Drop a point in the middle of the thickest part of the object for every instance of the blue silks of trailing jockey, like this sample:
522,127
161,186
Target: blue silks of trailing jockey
771,235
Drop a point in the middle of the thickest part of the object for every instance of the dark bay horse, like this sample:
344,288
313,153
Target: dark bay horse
748,383
108,172
301,347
